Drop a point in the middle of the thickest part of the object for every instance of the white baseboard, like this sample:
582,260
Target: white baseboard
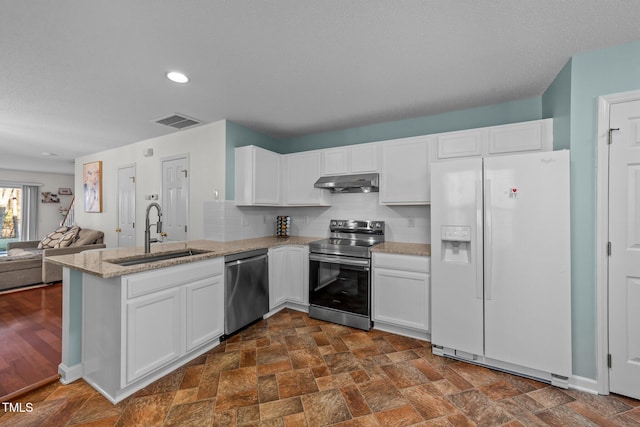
583,384
70,374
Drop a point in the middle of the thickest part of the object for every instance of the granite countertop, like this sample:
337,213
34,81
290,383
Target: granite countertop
97,262
420,249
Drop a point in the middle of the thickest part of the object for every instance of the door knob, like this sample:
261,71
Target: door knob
118,230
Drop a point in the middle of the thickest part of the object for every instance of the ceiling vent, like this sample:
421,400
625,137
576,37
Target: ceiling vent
178,121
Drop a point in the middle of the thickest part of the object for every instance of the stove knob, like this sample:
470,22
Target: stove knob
378,225
333,223
339,223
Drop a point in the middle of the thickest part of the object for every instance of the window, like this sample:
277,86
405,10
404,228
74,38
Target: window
10,215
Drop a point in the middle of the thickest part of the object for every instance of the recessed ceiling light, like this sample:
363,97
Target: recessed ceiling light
177,77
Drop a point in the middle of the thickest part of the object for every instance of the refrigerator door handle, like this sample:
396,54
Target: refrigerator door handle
479,240
488,239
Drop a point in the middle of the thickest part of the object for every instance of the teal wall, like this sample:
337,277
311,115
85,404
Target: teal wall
239,136
74,346
556,104
593,74
489,115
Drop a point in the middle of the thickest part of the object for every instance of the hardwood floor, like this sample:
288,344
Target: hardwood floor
291,370
30,339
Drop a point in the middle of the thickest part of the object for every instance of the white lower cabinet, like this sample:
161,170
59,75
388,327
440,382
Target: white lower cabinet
288,276
154,332
203,323
142,326
401,294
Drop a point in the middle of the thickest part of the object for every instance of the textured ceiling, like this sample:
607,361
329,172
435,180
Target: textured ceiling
85,76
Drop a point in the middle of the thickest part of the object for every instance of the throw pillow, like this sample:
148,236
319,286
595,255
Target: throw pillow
52,238
67,238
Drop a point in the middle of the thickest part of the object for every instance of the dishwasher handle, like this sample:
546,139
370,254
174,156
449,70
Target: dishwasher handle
245,260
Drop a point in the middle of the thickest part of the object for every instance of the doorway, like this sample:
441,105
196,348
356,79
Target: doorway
126,206
618,244
175,197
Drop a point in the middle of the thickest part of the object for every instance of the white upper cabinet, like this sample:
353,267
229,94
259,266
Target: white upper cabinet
536,135
301,171
405,171
466,143
360,158
335,161
257,177
520,137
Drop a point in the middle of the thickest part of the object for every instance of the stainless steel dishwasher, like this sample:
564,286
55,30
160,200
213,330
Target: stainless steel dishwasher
246,291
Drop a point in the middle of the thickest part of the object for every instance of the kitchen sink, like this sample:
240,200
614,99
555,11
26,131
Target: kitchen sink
160,256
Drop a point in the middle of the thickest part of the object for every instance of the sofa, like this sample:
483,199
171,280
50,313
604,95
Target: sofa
25,263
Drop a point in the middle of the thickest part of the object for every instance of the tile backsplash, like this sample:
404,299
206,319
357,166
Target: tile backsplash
224,221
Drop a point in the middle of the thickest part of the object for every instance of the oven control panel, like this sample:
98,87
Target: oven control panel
356,226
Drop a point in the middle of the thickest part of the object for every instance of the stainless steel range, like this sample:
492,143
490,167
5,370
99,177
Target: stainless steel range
339,273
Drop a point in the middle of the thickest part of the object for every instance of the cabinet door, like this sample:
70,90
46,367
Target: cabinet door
364,158
266,179
335,161
296,270
277,276
466,143
404,177
521,137
401,298
302,171
204,311
154,332
257,176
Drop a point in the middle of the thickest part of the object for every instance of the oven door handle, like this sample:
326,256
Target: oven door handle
340,260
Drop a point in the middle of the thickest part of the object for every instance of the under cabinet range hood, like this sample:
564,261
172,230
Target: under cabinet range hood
359,183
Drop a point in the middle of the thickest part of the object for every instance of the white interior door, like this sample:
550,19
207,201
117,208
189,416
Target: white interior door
624,262
175,198
126,206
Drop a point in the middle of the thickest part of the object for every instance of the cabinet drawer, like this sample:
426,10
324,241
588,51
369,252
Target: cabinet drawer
401,262
152,281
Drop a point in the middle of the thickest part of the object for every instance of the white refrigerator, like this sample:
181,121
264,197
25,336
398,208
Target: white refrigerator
501,267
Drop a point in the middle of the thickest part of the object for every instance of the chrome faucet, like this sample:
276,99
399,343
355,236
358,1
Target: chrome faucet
147,227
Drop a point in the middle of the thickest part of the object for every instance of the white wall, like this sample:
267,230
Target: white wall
205,147
48,214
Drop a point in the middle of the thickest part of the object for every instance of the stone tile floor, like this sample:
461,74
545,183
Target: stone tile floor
291,370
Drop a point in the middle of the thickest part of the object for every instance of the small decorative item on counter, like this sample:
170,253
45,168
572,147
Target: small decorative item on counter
283,225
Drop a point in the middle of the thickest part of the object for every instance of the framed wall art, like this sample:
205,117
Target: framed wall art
92,177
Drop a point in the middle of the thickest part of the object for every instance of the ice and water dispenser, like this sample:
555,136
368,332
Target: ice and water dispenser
456,244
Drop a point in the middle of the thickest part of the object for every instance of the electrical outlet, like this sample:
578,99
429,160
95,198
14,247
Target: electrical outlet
244,221
411,222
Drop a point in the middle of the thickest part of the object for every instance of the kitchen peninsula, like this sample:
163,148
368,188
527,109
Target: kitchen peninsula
124,326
